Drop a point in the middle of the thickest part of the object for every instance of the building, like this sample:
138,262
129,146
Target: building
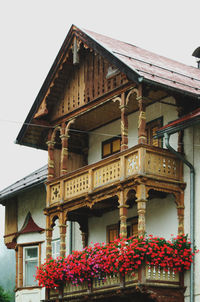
97,114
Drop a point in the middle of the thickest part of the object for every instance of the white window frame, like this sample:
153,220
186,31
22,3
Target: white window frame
54,243
29,260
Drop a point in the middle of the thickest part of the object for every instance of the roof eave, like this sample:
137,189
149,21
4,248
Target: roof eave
14,193
173,129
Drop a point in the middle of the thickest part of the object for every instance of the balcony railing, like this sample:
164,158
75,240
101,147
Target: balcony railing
145,160
146,275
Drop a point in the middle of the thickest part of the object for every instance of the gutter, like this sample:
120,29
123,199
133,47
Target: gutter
192,207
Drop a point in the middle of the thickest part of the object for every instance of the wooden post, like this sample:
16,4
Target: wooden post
20,266
63,228
48,237
51,167
124,123
142,135
122,215
64,154
141,208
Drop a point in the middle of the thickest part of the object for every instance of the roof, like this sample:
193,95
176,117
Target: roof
181,123
151,66
138,64
37,177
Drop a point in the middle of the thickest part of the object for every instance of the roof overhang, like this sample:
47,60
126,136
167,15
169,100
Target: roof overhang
186,121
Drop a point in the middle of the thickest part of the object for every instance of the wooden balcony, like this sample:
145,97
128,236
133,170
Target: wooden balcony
146,276
156,164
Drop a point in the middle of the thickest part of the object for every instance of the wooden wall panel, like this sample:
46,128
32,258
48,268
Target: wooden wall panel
87,81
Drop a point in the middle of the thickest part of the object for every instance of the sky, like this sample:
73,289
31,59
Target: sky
32,32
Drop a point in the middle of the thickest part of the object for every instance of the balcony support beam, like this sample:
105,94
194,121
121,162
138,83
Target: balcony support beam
141,208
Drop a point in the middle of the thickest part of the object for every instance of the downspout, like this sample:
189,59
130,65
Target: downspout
192,190
70,237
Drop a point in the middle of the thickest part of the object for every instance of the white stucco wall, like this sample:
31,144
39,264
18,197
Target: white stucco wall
33,201
154,111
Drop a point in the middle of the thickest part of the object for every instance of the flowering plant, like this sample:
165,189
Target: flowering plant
119,256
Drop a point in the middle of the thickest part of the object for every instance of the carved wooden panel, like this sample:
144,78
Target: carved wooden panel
55,193
132,164
76,185
87,81
162,165
106,174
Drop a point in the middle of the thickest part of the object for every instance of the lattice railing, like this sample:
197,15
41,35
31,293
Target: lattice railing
142,160
76,185
162,165
106,174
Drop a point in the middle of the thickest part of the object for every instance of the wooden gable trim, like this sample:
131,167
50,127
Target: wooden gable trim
88,40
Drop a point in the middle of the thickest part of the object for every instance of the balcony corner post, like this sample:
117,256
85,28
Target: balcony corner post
142,135
124,123
51,167
63,228
122,214
141,200
48,237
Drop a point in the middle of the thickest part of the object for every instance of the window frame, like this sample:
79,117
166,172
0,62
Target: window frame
110,141
149,126
53,242
29,260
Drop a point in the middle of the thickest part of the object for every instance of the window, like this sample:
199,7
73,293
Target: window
112,232
29,265
151,129
55,244
111,146
114,229
132,227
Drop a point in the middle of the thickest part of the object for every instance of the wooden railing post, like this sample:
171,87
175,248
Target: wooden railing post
141,208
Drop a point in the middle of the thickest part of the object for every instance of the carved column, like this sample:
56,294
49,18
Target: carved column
49,231
64,154
142,135
51,167
122,215
141,208
63,229
124,123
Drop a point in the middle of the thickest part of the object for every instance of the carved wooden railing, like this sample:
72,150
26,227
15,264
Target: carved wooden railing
146,275
145,160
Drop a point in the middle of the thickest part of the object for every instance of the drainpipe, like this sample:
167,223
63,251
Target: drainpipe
192,190
70,237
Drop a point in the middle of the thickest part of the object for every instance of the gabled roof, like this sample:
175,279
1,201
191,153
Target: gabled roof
185,121
30,226
138,65
35,178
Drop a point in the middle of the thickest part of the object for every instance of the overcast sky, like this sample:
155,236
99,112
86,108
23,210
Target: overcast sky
31,33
